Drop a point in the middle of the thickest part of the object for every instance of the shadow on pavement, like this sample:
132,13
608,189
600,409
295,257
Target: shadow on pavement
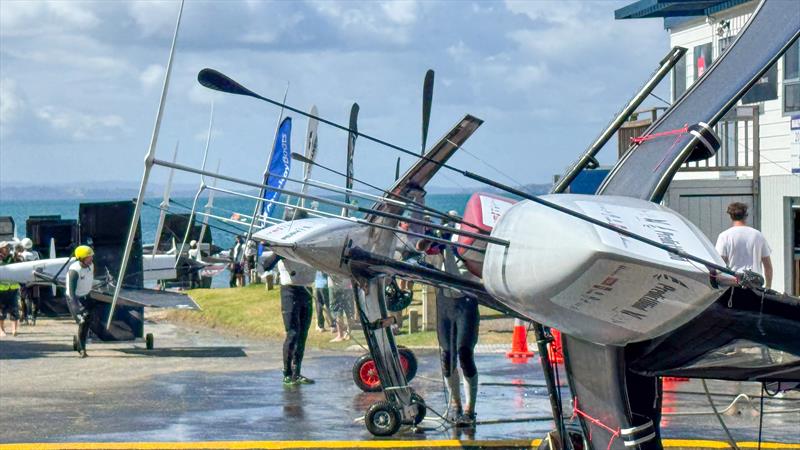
11,349
187,352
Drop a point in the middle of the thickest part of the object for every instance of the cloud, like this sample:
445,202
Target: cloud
550,11
391,23
75,14
12,104
573,30
152,75
81,126
458,51
155,18
17,18
400,12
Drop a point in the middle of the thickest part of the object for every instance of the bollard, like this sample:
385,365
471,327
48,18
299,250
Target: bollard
270,281
428,308
413,321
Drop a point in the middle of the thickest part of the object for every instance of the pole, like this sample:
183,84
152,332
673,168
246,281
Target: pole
665,66
148,165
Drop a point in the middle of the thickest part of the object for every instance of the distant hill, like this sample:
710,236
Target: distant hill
115,190
80,191
533,188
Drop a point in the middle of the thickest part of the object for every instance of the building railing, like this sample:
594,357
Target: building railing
739,139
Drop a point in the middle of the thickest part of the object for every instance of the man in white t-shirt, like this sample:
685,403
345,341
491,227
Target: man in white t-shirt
743,247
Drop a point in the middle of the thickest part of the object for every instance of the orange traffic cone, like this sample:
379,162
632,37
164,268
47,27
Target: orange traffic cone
554,349
519,343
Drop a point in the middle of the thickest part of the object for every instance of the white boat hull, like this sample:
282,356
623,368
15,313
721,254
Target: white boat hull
594,283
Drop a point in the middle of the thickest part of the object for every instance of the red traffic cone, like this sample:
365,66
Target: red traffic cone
519,343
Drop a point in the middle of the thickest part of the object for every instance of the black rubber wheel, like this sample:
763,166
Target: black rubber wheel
148,341
365,374
382,419
411,359
74,343
421,408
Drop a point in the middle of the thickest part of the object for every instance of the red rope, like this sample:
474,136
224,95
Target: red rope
592,420
648,137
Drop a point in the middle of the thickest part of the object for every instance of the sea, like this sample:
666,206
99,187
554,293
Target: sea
223,233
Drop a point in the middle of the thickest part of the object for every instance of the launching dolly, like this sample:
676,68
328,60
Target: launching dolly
402,405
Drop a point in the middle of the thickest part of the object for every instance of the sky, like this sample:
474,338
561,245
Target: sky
80,83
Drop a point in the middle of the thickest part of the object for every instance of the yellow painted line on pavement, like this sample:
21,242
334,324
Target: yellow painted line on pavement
696,443
270,445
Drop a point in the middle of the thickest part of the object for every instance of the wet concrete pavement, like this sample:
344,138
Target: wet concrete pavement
199,385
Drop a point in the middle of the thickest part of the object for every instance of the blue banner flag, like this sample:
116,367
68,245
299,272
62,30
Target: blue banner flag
279,166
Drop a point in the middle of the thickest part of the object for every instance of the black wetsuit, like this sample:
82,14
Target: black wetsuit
296,311
457,328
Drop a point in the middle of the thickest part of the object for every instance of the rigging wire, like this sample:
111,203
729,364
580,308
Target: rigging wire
489,165
235,233
229,230
659,98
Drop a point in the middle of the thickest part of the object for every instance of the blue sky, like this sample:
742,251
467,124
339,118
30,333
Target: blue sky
80,82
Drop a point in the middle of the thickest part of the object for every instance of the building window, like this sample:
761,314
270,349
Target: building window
679,78
766,88
702,59
791,79
724,43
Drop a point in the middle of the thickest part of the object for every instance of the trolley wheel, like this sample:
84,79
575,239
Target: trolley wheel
421,408
409,362
74,343
382,419
148,341
365,373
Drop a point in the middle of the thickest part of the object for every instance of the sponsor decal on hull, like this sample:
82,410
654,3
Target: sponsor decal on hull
630,296
491,210
658,225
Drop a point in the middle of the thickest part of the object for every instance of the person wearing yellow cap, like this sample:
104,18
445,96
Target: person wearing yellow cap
80,278
9,293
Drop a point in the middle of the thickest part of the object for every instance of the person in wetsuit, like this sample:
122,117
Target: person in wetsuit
296,304
457,325
80,278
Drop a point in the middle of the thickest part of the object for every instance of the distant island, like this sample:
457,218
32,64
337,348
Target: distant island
123,190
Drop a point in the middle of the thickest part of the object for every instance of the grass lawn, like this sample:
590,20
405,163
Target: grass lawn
255,312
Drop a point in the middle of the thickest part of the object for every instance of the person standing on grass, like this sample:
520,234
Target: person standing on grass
322,302
342,304
235,254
